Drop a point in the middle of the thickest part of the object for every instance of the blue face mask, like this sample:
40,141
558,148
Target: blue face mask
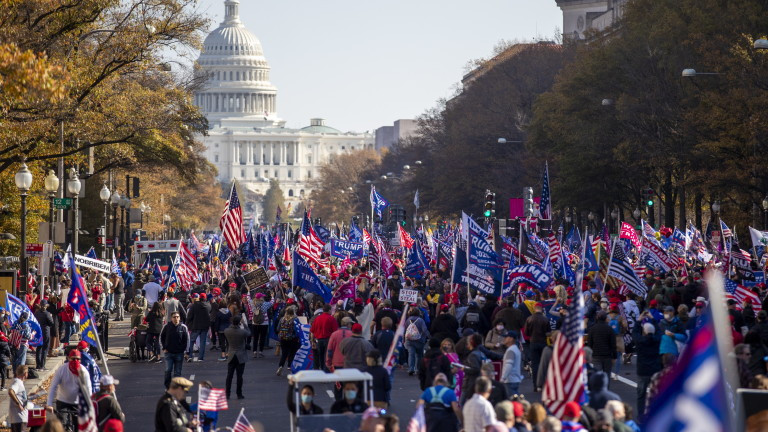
350,394
306,399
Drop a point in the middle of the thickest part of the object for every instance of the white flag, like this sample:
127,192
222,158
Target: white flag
416,199
759,238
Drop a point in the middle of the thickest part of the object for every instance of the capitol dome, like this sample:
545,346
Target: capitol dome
237,85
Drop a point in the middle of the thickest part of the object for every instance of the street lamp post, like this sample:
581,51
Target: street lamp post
23,181
615,216
104,195
126,204
637,214
716,208
143,208
51,186
73,187
115,201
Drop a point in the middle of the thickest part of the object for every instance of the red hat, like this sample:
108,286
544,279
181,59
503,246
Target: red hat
290,301
444,307
195,296
539,305
82,345
614,308
203,296
701,304
358,301
357,328
518,409
216,291
113,425
654,303
74,353
572,410
232,284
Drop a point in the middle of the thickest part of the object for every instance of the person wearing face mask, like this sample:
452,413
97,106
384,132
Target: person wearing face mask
673,334
349,402
494,340
67,380
307,405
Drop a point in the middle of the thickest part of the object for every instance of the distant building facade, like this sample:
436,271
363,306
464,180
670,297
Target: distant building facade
386,136
247,140
579,16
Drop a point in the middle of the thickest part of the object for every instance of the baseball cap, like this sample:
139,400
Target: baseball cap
203,296
519,410
73,353
195,296
113,425
700,304
653,303
444,307
530,293
82,345
669,308
512,334
572,410
357,328
731,302
358,301
108,380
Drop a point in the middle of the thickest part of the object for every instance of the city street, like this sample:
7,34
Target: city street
141,384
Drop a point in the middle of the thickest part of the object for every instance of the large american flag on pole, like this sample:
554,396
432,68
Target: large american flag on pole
310,245
545,204
231,222
565,374
186,273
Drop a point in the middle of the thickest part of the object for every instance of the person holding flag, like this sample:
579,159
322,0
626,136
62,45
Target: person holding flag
68,380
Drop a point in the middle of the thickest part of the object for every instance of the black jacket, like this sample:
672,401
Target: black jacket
647,349
602,340
381,383
199,316
45,320
154,323
171,415
599,394
174,338
444,326
433,363
5,352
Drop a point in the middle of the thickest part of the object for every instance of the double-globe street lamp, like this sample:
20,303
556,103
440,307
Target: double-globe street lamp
23,180
104,195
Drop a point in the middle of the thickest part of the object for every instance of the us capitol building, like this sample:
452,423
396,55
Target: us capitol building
247,140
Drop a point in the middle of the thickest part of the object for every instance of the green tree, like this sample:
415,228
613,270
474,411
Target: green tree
273,198
340,191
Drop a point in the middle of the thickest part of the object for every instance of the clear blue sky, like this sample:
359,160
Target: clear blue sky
362,64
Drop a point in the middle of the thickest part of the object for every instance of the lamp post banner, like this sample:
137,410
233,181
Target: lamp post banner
94,264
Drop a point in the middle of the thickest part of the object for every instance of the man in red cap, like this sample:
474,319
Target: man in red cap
571,416
355,348
67,380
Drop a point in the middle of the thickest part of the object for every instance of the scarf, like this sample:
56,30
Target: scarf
74,367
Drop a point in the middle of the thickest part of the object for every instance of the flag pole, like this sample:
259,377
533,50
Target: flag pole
610,261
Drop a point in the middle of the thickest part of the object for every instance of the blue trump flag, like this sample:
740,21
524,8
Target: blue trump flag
532,274
417,263
378,203
305,277
355,234
693,394
343,249
485,265
78,300
304,358
157,272
17,307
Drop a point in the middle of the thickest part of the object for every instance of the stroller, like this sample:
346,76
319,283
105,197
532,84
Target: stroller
137,347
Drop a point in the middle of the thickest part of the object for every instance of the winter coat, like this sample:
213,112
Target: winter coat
199,316
444,326
599,394
647,350
669,344
434,362
154,323
602,340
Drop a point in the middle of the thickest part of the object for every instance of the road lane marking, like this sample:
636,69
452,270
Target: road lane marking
330,394
626,381
192,377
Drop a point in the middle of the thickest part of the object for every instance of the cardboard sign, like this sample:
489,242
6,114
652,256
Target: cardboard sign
408,296
256,278
98,265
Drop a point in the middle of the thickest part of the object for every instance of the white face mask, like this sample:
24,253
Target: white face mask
499,327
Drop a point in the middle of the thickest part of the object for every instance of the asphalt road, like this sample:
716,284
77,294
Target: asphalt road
141,385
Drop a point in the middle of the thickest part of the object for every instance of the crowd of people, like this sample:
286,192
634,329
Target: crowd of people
468,352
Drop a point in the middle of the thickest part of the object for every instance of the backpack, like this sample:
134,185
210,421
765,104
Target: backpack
412,332
286,330
258,316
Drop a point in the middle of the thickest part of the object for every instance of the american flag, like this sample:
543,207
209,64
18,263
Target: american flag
545,204
565,374
555,251
397,342
212,399
86,415
405,239
187,271
242,424
231,223
145,264
725,230
741,294
418,422
310,245
621,269
648,229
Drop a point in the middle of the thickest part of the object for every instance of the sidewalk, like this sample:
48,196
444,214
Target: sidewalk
116,329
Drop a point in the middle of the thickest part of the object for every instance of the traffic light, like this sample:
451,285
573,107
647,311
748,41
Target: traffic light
489,209
647,195
402,219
